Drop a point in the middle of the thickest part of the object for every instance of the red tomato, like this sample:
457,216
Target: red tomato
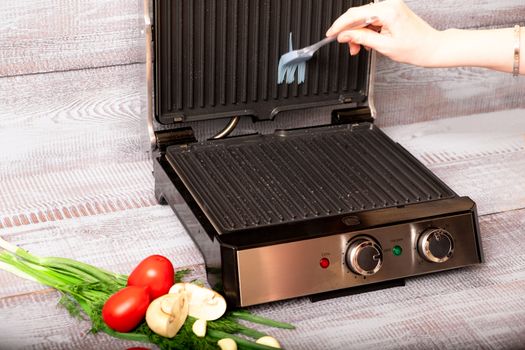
125,309
155,272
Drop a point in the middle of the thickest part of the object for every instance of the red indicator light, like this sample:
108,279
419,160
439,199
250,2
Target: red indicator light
324,262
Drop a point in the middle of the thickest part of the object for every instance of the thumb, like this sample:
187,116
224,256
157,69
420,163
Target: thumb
365,37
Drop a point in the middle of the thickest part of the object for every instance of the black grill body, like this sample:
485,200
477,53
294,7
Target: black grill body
240,197
265,209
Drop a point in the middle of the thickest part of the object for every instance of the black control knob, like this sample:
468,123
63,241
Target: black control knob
436,245
364,256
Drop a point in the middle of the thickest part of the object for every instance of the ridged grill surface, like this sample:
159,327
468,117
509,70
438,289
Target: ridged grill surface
217,58
271,179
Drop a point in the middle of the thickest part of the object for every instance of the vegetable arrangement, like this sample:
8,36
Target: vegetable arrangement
150,305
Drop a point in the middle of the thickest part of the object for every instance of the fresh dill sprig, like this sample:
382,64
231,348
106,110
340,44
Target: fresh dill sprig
179,275
74,309
85,289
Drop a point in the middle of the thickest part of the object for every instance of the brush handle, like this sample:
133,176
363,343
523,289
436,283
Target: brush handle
360,24
321,43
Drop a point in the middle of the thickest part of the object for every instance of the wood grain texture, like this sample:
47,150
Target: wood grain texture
116,241
64,117
64,134
469,13
406,94
475,307
481,156
99,37
73,142
51,327
59,35
52,35
75,179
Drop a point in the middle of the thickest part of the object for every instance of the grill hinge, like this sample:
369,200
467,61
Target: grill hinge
352,116
180,136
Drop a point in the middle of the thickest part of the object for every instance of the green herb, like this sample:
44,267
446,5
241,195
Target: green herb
85,289
245,315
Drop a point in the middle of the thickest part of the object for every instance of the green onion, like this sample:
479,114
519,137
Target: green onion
247,316
85,289
241,342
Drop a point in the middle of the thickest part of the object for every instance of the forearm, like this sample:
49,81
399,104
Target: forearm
492,49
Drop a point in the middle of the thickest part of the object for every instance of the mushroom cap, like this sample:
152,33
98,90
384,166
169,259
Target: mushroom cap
204,303
166,314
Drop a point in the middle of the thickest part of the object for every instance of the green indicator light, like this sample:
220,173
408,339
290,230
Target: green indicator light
397,250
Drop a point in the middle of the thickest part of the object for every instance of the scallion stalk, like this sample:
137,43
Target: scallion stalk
244,315
241,342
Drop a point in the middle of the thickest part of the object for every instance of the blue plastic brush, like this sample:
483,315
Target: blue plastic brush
295,60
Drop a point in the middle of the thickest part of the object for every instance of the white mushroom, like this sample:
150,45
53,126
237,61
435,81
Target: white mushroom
166,314
177,288
199,328
227,344
204,303
269,341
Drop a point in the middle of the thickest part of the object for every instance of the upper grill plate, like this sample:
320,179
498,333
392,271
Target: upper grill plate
219,58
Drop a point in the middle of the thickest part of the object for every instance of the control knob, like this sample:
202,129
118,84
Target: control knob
364,256
436,245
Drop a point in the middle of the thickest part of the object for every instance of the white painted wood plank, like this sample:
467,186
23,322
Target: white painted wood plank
51,35
480,306
56,130
481,156
496,183
36,321
59,120
468,137
469,13
48,35
72,139
55,35
116,241
58,195
406,94
98,133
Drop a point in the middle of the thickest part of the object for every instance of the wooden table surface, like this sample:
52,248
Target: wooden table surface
75,180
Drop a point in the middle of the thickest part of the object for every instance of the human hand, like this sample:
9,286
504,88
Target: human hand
403,36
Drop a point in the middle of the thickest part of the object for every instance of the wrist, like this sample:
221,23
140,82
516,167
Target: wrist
492,49
432,51
441,54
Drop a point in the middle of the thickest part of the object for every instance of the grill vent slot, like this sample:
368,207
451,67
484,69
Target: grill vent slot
219,58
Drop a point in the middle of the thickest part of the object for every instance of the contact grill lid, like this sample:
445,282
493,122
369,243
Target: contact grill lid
218,59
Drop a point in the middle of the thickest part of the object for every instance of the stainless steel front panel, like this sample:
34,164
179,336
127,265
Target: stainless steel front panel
293,269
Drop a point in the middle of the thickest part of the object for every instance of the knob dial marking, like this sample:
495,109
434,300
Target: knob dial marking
436,245
364,256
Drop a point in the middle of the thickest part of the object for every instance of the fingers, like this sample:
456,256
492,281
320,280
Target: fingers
356,16
365,37
354,49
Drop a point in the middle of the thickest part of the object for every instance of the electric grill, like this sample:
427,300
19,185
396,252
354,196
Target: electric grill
291,212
